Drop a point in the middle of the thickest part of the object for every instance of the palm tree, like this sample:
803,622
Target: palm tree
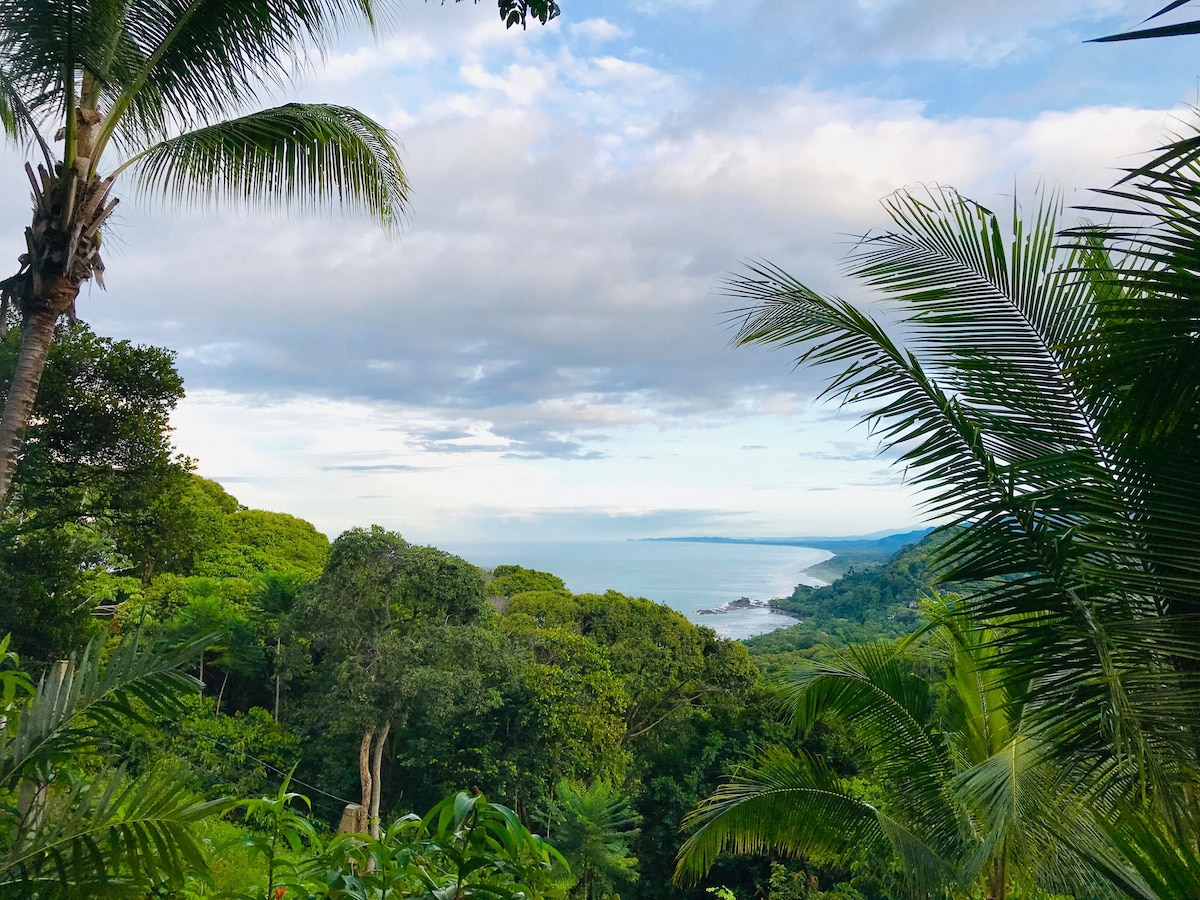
967,800
1046,396
86,830
161,88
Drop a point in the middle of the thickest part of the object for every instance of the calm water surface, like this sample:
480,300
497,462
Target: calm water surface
685,576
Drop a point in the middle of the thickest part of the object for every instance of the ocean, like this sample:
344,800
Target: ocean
685,576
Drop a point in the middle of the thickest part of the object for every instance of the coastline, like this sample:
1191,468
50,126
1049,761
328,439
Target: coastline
745,604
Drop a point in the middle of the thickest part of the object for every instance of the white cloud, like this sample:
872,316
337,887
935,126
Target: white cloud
596,29
544,337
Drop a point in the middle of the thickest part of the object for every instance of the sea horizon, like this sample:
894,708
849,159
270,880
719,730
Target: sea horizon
685,576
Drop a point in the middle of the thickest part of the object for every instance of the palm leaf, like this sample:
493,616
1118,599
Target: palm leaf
299,156
107,833
793,805
876,697
1177,30
160,63
72,835
76,702
986,408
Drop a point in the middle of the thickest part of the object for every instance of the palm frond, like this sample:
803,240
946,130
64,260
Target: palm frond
876,697
1177,30
1147,856
793,805
299,156
157,65
77,700
72,835
998,404
92,837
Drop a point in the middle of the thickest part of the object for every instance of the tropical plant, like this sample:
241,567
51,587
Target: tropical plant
281,835
1044,396
77,825
958,790
598,825
464,847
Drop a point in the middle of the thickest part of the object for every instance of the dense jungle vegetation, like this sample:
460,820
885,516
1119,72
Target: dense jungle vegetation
203,700
600,720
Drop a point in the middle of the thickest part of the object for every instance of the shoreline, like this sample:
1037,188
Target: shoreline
745,604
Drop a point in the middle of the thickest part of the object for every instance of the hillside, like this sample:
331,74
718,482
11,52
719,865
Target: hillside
876,601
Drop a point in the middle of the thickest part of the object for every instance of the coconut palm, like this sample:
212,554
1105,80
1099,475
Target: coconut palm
1044,398
1044,393
967,798
78,827
163,90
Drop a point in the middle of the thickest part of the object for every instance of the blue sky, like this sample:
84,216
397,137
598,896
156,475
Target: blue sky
542,355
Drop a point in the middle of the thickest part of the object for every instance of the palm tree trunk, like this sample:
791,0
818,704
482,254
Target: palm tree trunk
63,245
37,331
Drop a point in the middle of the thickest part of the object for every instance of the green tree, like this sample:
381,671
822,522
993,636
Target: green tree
97,476
598,826
260,541
373,635
510,580
573,716
668,665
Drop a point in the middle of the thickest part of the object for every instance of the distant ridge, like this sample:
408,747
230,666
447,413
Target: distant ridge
881,541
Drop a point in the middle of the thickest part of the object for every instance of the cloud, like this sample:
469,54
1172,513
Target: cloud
596,29
892,32
554,304
375,469
544,305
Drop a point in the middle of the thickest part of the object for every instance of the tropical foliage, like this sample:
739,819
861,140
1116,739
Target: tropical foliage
462,848
595,836
1044,396
69,833
959,794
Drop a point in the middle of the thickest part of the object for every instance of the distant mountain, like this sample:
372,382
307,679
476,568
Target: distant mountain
888,541
866,603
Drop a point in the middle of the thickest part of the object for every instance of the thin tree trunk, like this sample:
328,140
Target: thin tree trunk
221,692
37,332
364,775
376,781
278,645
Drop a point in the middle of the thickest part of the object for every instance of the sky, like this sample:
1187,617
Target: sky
543,352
